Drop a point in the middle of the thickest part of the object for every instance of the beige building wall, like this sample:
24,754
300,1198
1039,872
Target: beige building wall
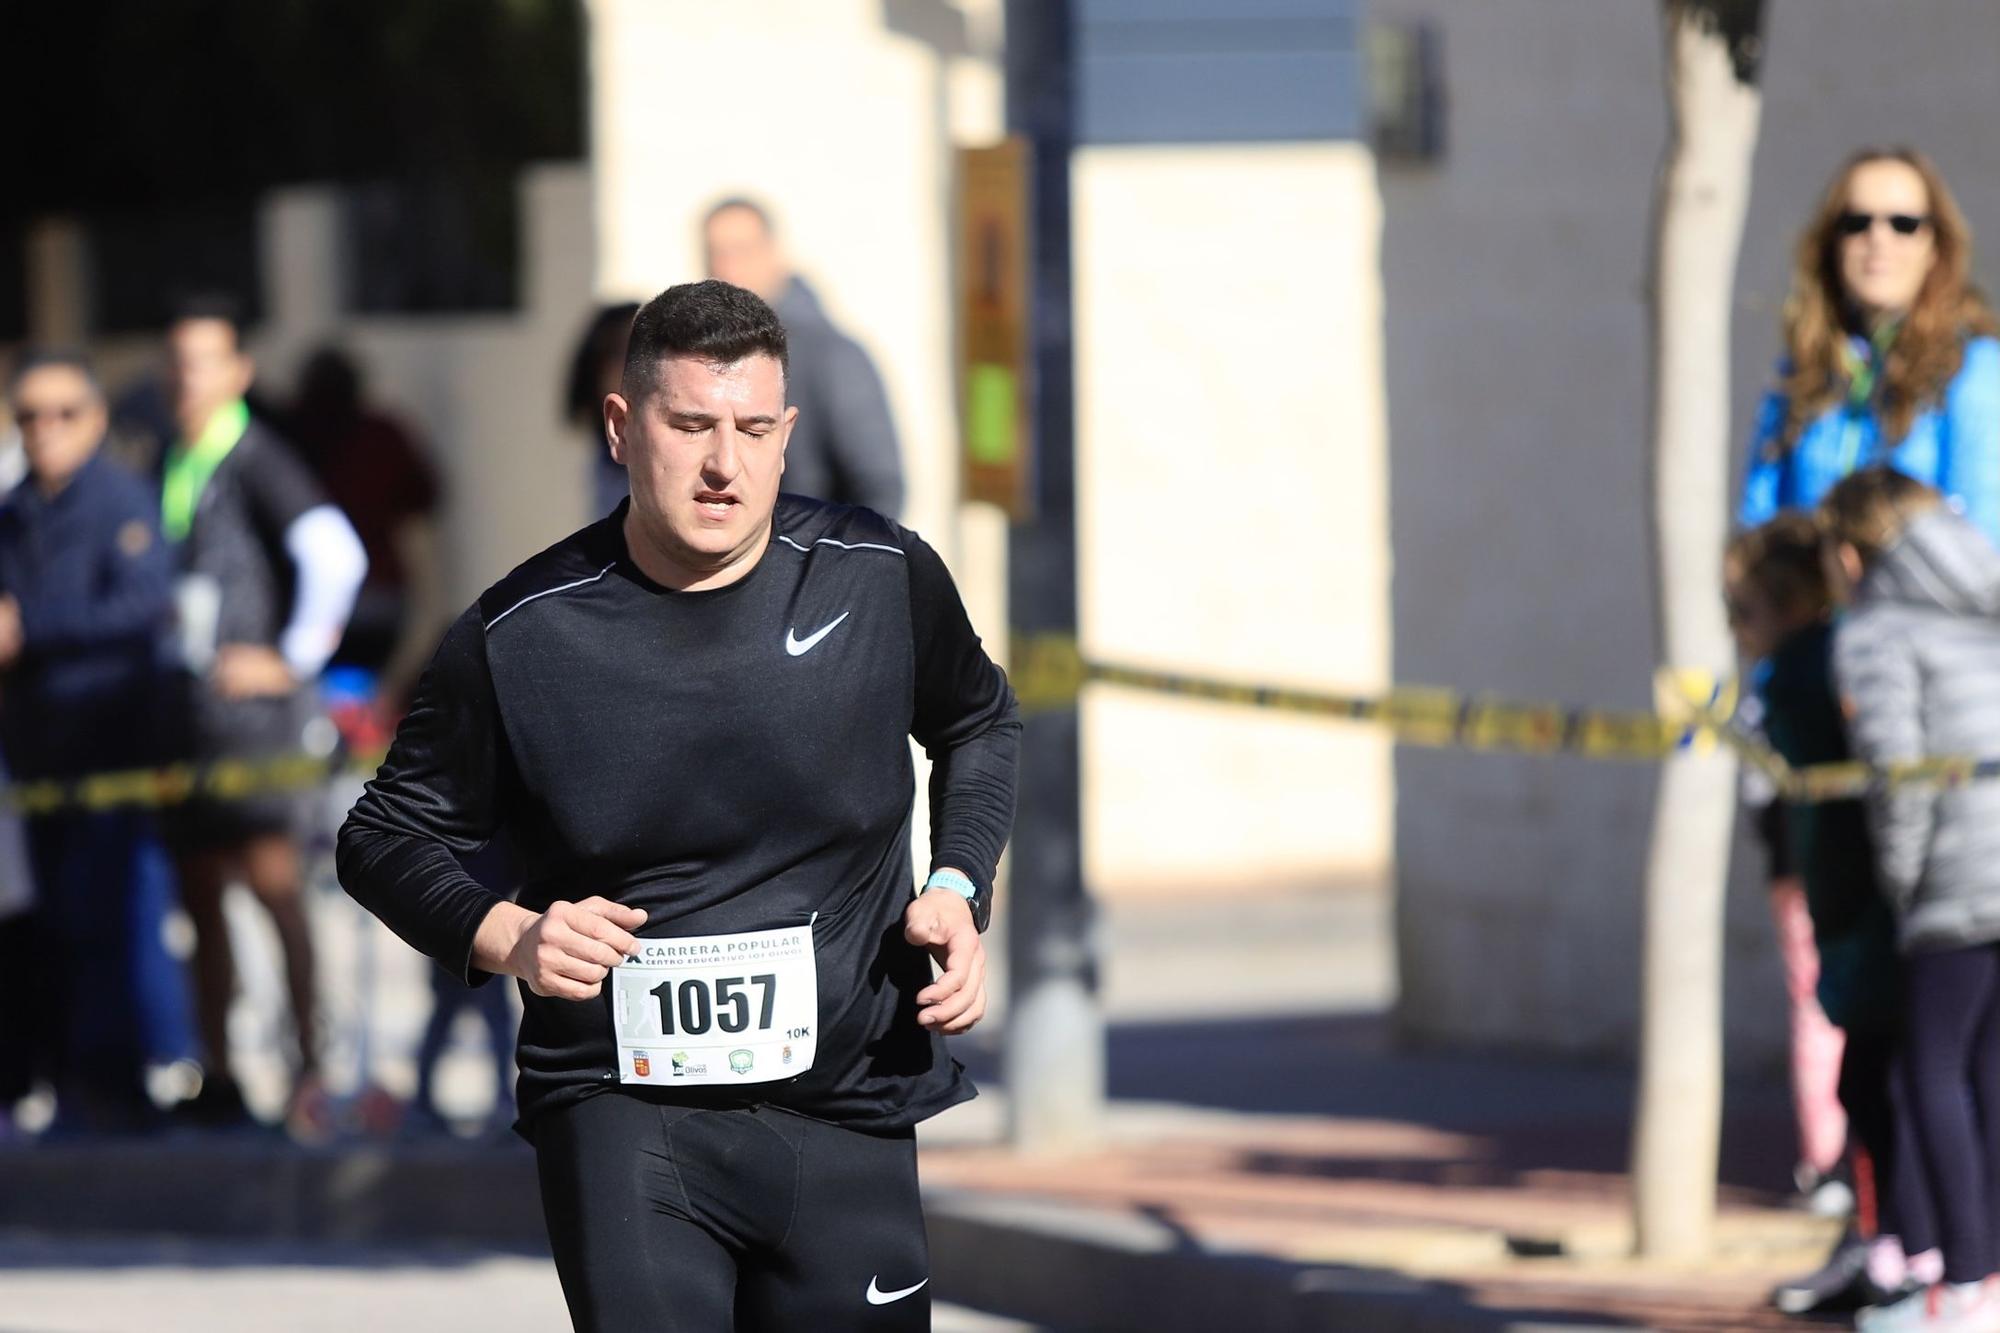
1233,508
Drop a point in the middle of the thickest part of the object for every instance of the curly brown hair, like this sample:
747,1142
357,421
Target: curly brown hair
1930,344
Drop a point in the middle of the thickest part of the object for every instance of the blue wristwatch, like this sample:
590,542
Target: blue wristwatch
952,881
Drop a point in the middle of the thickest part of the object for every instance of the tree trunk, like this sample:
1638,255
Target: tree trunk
1712,49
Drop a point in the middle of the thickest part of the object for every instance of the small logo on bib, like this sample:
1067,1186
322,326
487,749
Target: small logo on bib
642,1063
740,1061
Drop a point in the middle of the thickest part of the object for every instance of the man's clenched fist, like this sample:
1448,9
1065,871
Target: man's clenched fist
563,953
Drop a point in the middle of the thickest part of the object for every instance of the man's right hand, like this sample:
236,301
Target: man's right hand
564,952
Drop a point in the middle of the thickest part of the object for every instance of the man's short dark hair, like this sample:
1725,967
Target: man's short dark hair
219,306
33,359
712,321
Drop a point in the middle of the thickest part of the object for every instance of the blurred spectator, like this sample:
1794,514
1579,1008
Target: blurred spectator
1917,661
143,426
377,474
595,369
1890,351
269,572
1889,357
85,598
843,446
1781,611
18,993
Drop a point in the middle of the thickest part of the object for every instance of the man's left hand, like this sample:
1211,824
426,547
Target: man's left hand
249,671
941,922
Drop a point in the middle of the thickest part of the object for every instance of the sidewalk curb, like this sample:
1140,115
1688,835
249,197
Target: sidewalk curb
1100,1270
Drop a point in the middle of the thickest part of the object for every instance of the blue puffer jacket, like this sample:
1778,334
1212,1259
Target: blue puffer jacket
1954,446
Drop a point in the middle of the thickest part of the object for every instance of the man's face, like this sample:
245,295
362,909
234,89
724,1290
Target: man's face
62,422
206,370
705,449
742,252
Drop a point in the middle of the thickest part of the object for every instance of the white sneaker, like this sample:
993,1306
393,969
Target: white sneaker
1948,1307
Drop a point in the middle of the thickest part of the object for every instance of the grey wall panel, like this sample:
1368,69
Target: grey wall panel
1210,71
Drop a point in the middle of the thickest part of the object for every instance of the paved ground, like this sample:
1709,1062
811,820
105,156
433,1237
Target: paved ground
163,1287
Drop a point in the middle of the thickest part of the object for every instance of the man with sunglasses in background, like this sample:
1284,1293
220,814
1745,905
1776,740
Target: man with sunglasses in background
85,599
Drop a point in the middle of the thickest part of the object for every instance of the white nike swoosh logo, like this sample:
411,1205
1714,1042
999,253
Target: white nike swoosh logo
877,1296
798,647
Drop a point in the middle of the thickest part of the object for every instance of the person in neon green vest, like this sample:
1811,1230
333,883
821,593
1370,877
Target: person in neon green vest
268,572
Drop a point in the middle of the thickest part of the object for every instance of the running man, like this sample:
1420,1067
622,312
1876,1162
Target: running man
692,718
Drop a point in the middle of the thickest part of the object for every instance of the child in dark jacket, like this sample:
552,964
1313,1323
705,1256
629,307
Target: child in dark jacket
1917,661
1780,608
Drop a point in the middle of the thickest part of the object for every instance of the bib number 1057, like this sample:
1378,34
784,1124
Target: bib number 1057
691,1008
709,1009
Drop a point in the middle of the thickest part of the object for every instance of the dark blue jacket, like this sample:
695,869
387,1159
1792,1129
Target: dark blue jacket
95,585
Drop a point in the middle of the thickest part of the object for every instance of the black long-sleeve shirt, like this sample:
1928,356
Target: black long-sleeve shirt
729,760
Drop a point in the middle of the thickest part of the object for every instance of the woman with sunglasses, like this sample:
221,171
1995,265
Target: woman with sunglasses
1891,358
1891,355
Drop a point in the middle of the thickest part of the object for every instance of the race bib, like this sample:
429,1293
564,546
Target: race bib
709,1009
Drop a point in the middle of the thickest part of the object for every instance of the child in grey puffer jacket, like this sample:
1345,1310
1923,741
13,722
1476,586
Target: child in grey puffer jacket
1917,662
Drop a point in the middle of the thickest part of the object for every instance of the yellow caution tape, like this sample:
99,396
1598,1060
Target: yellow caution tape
1693,711
156,788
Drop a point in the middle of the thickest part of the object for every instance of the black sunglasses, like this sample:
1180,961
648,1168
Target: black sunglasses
28,416
1903,224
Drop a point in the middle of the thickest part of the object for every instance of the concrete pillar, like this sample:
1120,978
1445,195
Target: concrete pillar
58,282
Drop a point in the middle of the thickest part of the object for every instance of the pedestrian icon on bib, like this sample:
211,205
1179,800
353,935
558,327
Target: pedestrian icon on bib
740,1061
